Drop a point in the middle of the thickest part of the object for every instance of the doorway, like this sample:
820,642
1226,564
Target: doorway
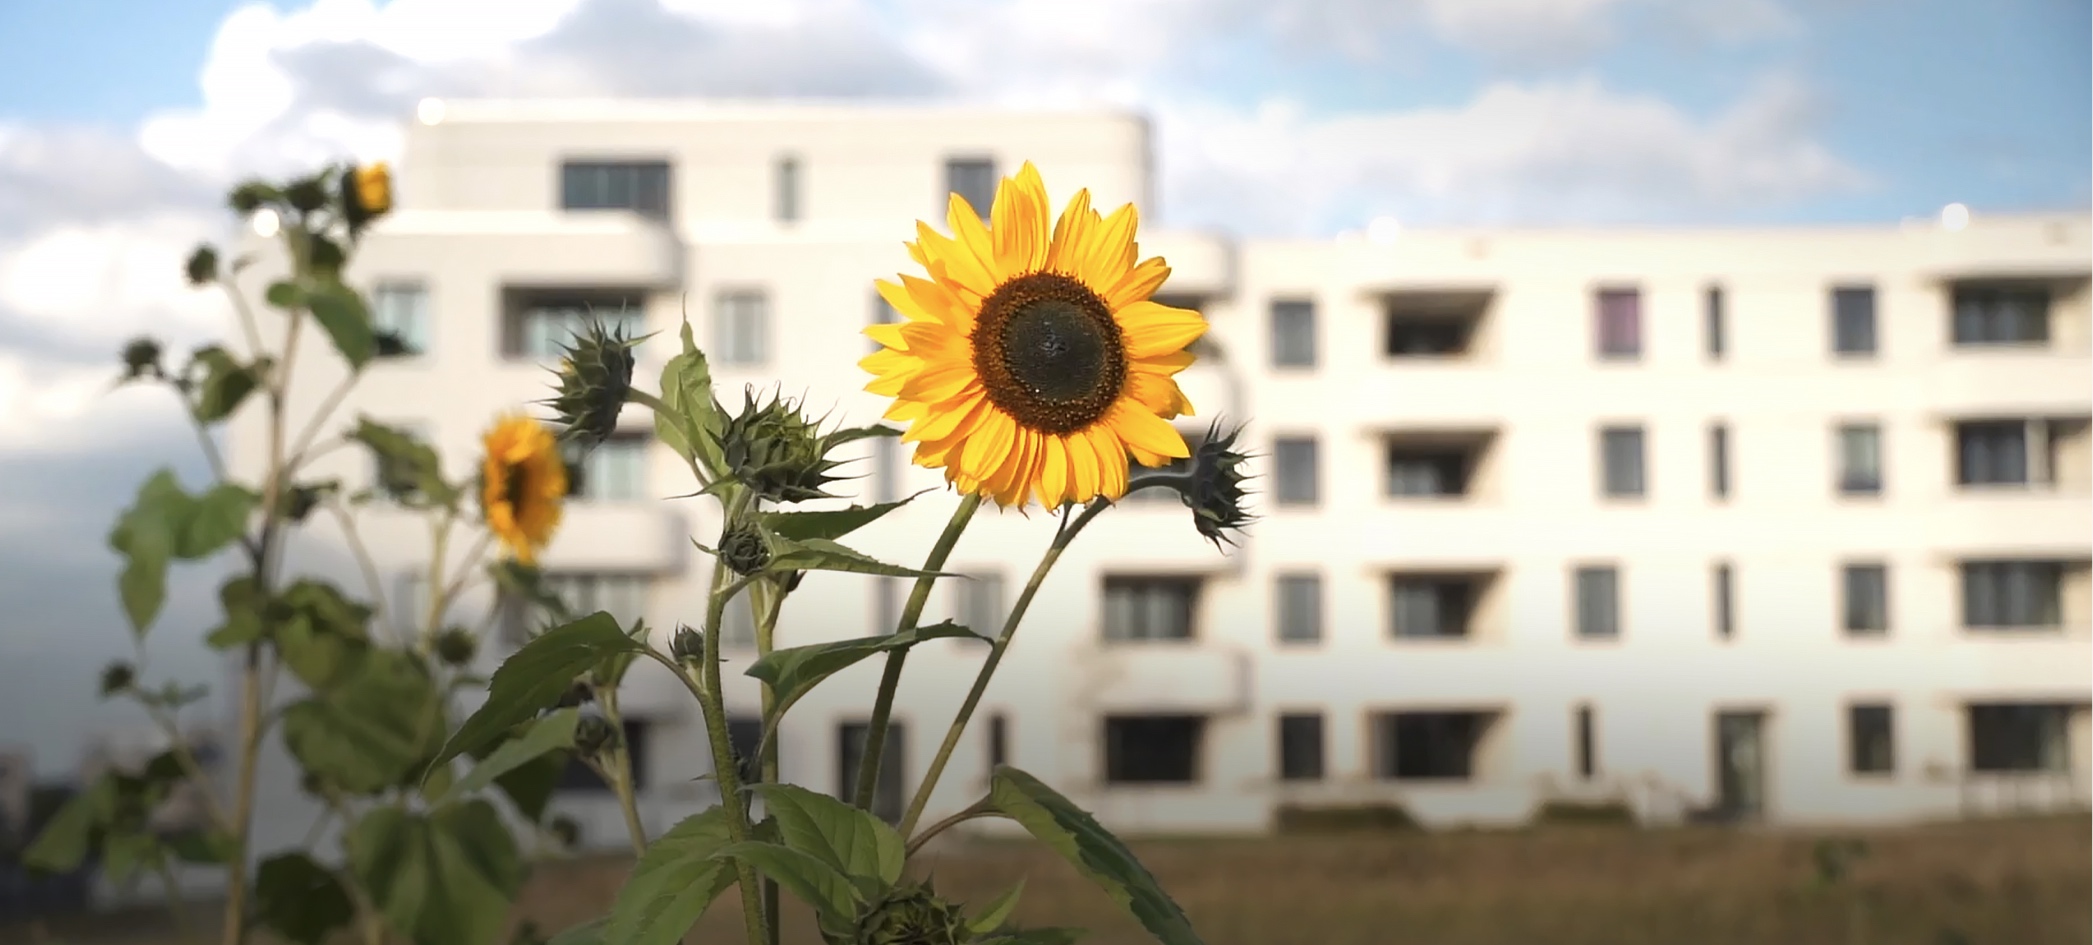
1740,764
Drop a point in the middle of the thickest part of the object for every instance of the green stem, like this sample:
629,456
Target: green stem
723,771
890,681
981,808
619,771
767,604
176,909
1001,645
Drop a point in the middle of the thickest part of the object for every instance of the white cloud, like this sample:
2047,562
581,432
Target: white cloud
103,283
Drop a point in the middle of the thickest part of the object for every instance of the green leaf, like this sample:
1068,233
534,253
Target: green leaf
849,839
341,313
203,846
692,421
243,614
70,833
673,883
146,537
591,932
127,853
407,467
998,911
225,385
792,671
215,520
300,900
551,733
801,526
285,295
1092,850
1036,937
820,554
535,677
440,879
323,636
371,731
531,786
816,883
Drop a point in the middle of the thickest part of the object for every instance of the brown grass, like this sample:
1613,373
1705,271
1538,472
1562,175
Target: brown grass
2022,882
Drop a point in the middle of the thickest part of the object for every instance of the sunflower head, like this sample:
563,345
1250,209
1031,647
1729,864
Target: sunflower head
912,914
523,482
366,193
1032,363
775,451
595,377
1215,492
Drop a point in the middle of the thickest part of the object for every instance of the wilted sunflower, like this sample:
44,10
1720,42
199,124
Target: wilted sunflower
1032,364
523,480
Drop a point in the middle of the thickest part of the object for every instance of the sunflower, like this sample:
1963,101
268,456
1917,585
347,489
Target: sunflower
1033,364
523,480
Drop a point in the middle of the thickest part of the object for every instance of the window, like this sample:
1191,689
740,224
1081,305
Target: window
1866,593
741,327
1301,747
2012,594
1853,321
615,471
746,737
400,311
1719,460
1994,315
1620,324
1414,471
981,607
1293,333
998,741
2017,452
1715,330
1725,602
1430,607
1621,462
541,325
1598,602
623,596
883,313
1587,744
1150,608
1860,459
787,183
1294,457
1300,608
737,624
2020,737
582,779
1153,749
975,180
893,755
1872,740
639,186
1428,746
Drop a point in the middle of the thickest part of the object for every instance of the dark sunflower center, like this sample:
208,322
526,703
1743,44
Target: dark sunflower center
1049,352
514,479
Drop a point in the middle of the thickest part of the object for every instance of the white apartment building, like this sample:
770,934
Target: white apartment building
1781,524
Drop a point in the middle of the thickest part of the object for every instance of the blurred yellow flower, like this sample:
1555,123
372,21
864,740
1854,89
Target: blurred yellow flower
523,483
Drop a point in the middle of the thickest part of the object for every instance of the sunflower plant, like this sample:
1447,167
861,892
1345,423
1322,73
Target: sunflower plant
1033,368
427,854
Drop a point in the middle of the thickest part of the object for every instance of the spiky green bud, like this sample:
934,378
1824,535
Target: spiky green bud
912,914
456,646
688,645
743,549
775,451
142,358
594,379
1215,494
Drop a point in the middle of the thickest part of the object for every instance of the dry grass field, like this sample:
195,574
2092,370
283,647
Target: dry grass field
2017,882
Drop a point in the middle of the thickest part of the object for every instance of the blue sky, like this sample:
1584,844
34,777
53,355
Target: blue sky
122,120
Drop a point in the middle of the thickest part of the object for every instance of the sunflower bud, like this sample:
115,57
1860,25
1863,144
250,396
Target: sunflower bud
595,377
366,194
688,646
141,358
777,453
117,677
577,694
565,831
306,195
592,735
912,915
743,549
202,266
1215,493
456,647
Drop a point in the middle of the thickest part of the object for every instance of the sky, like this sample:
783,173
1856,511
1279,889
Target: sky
122,122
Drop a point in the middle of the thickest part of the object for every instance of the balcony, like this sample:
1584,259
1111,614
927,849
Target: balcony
1166,676
530,247
1438,465
643,537
1426,326
1200,264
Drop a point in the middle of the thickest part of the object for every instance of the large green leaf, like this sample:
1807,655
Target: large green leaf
445,878
997,911
407,467
224,386
851,840
831,525
1084,843
592,932
371,731
673,883
214,520
243,605
792,671
300,900
820,554
341,313
324,635
146,537
70,833
692,419
536,676
816,883
549,734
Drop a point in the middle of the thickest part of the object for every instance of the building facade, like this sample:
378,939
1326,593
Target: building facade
1779,524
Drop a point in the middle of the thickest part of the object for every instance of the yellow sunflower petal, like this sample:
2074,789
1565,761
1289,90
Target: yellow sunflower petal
1152,329
955,418
937,381
990,443
1141,428
1111,460
1154,392
1019,222
1083,474
1105,260
1138,284
959,264
1053,471
1071,234
888,336
971,234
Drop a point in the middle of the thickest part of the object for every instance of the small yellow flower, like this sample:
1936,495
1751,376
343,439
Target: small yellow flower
374,188
523,482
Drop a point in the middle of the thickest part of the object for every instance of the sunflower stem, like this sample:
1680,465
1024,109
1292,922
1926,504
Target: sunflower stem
1062,539
890,681
723,770
769,599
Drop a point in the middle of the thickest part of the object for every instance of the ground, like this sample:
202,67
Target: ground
2015,882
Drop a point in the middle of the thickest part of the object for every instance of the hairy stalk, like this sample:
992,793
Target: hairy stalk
364,563
768,598
980,808
890,681
723,770
619,771
1062,539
